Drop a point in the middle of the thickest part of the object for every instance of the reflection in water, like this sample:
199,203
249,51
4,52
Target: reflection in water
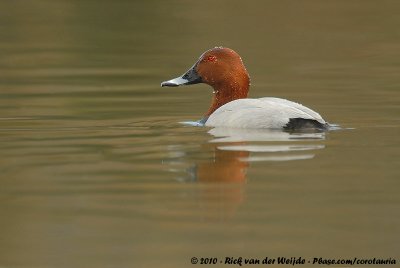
266,135
266,152
226,166
223,175
270,152
231,150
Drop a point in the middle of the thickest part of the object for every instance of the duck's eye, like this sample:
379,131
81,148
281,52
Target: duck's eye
211,58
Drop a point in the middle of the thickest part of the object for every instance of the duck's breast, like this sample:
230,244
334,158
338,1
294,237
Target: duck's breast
274,113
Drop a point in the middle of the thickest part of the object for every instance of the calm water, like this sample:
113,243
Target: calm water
97,171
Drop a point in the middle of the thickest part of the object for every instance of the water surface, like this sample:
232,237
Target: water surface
97,170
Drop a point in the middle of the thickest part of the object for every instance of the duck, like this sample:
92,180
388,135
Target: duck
223,69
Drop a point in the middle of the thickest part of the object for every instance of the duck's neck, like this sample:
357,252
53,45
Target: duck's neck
228,92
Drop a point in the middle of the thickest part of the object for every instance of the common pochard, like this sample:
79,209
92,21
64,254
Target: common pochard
223,69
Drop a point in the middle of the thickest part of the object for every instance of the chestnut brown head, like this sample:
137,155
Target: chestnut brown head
223,69
215,67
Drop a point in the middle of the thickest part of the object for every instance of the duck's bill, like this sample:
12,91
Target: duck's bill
190,77
174,82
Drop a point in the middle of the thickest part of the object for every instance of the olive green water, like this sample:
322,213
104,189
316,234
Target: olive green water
97,171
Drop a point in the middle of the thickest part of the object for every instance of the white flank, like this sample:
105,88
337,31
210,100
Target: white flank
272,113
